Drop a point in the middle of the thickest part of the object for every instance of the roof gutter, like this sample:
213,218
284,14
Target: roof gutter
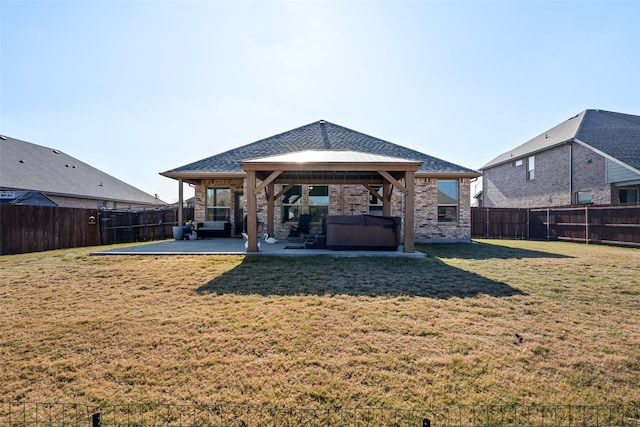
448,174
187,176
203,175
523,155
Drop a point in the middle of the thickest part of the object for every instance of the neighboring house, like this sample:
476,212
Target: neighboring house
593,157
31,198
300,171
31,173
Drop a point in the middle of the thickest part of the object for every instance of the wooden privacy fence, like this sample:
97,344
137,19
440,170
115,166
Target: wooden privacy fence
26,229
40,228
618,225
126,226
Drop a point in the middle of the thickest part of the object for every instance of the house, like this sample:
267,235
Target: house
593,157
33,174
325,169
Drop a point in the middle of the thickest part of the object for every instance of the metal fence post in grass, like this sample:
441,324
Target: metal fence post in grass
96,420
426,422
586,224
548,223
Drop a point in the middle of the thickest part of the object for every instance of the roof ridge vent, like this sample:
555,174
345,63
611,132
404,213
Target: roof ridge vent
322,122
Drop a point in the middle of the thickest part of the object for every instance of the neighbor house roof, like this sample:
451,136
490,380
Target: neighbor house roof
614,135
27,166
21,197
318,136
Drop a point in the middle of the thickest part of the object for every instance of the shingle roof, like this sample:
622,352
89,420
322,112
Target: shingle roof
27,166
320,135
615,134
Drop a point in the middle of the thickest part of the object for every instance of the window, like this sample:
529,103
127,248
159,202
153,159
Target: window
106,205
531,168
447,201
291,203
318,202
375,204
629,195
518,162
583,197
218,204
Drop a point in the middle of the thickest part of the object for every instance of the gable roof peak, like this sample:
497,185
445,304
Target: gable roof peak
319,135
616,134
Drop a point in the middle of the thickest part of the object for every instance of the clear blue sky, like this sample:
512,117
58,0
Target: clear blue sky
135,88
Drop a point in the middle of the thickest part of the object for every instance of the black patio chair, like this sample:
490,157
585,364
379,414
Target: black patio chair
300,231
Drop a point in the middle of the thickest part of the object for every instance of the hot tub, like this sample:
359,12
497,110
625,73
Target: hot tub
363,232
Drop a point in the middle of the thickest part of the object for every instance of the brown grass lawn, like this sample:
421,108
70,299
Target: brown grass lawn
325,332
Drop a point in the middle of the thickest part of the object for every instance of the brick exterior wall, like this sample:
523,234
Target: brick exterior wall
589,174
354,200
200,194
556,182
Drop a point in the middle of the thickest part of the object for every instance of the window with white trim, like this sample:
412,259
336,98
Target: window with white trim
448,201
531,168
583,197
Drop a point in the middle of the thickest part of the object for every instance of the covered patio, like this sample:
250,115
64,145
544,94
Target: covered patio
329,167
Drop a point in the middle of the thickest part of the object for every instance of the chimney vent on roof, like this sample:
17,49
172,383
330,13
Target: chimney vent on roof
322,122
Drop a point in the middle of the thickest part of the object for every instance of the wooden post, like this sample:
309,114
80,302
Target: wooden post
270,208
252,245
386,198
409,212
180,202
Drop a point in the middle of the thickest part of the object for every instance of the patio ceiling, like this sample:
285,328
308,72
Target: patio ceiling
330,167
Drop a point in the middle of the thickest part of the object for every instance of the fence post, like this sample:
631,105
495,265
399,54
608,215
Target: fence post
426,422
100,225
487,222
528,223
586,224
130,218
163,227
146,225
548,223
95,420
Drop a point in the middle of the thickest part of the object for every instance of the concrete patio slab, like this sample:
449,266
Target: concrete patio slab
235,246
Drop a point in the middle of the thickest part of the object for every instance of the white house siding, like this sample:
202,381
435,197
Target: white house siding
354,200
618,173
